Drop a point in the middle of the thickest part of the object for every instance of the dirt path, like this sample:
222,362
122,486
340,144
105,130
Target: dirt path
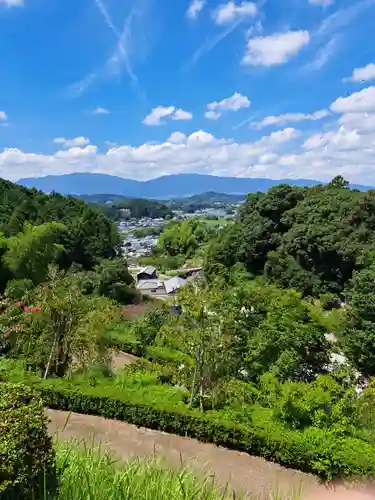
243,472
122,359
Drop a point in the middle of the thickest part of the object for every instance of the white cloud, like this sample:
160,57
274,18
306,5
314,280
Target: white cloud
364,74
100,111
157,114
12,3
3,116
76,153
275,49
198,152
177,138
347,148
234,103
71,143
230,12
362,101
195,8
324,3
180,114
290,117
212,115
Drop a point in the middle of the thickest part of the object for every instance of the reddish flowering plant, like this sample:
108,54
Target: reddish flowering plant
32,309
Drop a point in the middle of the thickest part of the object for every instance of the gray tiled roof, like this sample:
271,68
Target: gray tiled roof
150,284
150,270
174,284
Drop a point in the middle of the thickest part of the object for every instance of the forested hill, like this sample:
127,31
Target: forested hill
310,239
139,207
89,234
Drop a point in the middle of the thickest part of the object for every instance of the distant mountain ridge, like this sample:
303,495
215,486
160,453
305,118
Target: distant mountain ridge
165,187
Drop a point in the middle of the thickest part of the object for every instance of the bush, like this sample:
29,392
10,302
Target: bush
27,466
18,289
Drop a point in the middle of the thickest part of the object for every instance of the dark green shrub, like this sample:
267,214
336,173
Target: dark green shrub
18,289
27,466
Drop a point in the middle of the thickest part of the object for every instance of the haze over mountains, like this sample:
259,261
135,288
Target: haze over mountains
166,187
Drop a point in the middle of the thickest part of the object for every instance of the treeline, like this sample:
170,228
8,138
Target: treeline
40,232
88,236
113,206
308,239
205,200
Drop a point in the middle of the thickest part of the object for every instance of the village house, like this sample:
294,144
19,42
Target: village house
147,273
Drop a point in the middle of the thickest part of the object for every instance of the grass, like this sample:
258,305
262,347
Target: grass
90,473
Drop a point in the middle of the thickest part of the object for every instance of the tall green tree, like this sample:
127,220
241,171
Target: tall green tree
290,342
182,238
358,338
201,328
29,253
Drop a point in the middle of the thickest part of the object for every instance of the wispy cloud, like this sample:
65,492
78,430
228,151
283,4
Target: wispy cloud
100,111
12,3
107,18
323,55
195,8
342,17
328,36
121,56
209,45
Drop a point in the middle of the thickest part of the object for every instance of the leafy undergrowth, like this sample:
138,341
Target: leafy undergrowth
89,473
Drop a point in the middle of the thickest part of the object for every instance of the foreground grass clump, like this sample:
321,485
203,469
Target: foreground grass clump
90,474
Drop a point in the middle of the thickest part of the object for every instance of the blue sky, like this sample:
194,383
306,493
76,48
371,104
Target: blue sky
142,88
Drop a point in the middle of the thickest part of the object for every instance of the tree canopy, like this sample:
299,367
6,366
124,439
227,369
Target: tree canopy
310,239
90,235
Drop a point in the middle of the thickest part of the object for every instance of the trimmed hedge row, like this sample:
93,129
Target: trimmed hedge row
318,451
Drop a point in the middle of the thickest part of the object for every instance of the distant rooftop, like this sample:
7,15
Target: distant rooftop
174,284
150,270
150,284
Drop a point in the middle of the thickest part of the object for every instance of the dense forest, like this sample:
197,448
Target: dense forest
87,235
39,230
309,239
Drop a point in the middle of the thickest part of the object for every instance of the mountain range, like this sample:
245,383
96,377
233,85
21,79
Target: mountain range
165,187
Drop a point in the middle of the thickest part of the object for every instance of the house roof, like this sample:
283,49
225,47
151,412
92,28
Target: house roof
174,284
150,270
150,284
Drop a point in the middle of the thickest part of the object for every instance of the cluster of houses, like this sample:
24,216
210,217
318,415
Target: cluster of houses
148,282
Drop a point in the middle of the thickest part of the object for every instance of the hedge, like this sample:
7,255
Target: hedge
27,465
315,450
